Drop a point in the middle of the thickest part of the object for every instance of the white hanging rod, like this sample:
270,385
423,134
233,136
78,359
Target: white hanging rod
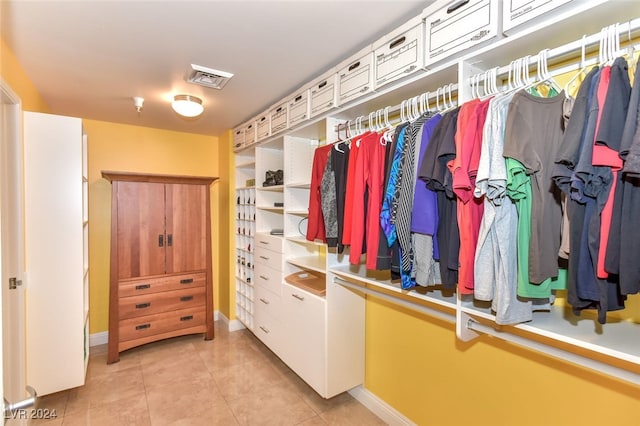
630,29
415,105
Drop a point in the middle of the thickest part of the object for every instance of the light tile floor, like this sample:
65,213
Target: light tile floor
232,380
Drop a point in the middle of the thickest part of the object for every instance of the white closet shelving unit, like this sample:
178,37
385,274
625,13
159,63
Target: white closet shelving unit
56,187
313,341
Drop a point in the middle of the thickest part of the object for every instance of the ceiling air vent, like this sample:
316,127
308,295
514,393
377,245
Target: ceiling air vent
208,77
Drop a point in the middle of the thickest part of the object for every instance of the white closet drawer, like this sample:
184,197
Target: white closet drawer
355,76
238,138
278,116
263,127
303,319
323,94
400,53
268,257
267,277
299,107
268,302
458,25
268,241
250,134
268,329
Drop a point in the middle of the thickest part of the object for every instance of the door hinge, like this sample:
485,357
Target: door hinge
14,283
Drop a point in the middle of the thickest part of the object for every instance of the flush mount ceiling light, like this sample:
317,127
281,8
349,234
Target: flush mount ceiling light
187,105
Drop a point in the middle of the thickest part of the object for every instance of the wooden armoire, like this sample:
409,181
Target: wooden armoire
160,276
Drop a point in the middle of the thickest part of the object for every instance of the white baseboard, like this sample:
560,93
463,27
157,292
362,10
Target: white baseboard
384,411
216,315
101,338
232,325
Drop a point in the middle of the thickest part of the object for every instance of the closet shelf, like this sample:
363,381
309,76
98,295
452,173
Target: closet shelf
298,212
245,187
313,263
274,188
300,185
247,165
382,281
302,240
271,209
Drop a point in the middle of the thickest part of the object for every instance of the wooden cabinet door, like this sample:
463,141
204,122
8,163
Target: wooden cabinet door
141,229
186,227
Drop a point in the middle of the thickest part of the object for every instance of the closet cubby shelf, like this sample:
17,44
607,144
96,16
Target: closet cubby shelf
303,240
274,188
249,283
298,212
313,263
246,165
271,209
245,187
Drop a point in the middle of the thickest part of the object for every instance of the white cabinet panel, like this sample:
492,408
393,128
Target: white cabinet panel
457,26
304,329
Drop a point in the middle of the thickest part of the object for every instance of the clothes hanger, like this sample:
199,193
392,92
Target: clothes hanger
572,84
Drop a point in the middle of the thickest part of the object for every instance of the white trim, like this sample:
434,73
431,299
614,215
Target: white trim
380,408
216,315
101,338
232,325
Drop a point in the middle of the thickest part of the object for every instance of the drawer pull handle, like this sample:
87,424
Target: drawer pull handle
321,85
264,257
186,318
186,298
264,242
266,330
169,240
264,278
143,286
297,296
397,42
186,281
160,240
354,66
142,305
299,97
143,326
456,5
266,302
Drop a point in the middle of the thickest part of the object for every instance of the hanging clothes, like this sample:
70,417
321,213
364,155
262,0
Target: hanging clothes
315,227
333,192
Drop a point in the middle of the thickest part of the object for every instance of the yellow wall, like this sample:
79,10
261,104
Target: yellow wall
122,147
13,74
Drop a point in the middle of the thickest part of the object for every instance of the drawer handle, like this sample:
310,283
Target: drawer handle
354,66
264,257
143,286
143,326
264,242
186,281
456,5
264,278
169,240
266,330
160,240
266,302
297,98
321,85
186,298
397,42
142,305
186,318
278,110
297,296
364,89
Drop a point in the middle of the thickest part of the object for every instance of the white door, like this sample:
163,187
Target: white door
12,354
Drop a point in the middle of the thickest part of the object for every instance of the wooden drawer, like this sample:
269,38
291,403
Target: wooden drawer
268,277
267,257
154,303
267,302
271,242
152,325
140,286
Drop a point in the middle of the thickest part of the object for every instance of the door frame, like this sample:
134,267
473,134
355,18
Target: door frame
11,153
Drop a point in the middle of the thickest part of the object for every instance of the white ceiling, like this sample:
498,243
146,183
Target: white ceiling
90,58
